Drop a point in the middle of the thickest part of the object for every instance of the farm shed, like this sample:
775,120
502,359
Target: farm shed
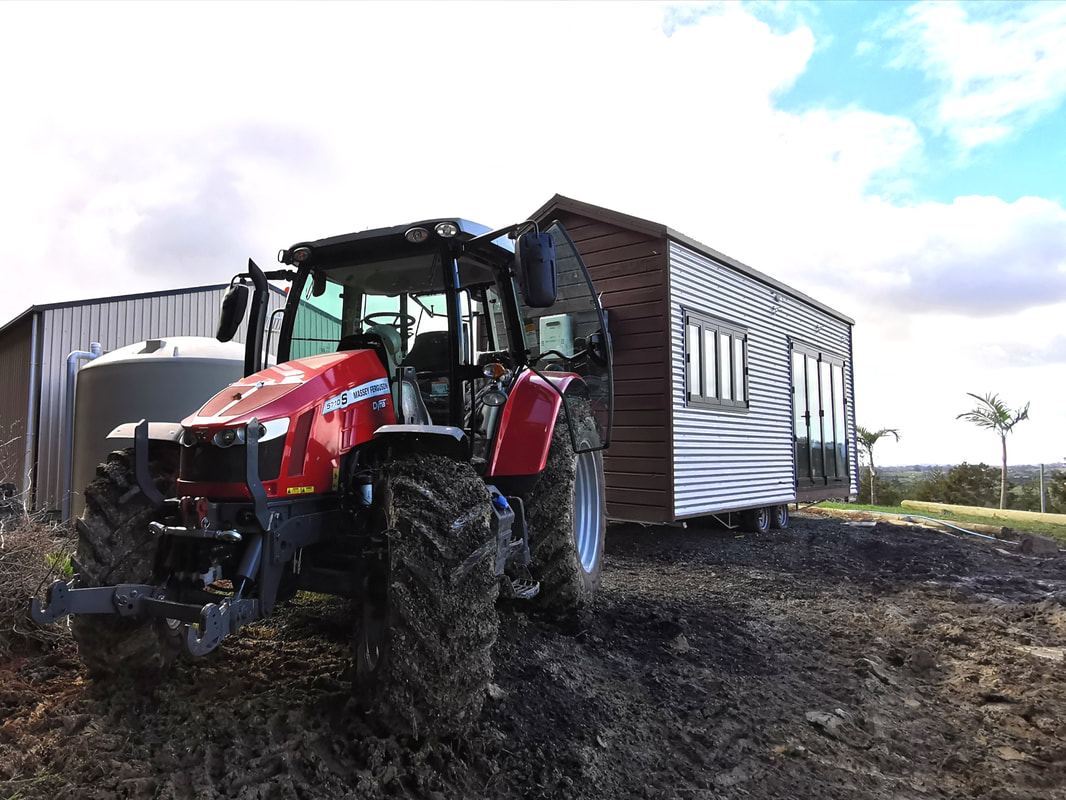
732,390
33,354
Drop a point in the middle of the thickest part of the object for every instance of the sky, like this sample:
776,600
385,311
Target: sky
902,162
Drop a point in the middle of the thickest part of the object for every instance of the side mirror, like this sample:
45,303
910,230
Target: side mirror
231,311
318,284
535,266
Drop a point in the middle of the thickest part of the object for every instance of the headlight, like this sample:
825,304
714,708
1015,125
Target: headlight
274,428
447,229
228,437
188,438
416,235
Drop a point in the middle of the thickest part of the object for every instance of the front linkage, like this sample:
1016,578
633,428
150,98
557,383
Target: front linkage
278,531
270,535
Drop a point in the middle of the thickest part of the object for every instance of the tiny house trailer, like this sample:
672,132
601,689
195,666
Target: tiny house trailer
733,391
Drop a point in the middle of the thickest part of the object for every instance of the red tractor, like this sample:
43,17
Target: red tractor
429,439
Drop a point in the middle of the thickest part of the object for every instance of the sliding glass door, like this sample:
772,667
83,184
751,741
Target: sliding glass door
819,417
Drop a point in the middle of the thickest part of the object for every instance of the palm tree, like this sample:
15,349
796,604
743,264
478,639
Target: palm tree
992,413
867,440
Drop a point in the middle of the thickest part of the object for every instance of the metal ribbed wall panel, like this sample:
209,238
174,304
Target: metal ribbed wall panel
726,460
114,323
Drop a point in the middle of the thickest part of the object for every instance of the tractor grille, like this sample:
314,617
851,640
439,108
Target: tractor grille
206,463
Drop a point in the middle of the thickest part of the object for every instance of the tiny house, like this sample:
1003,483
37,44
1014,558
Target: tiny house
732,390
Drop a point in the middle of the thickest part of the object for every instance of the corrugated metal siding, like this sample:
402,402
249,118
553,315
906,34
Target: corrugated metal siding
725,460
311,323
114,324
14,395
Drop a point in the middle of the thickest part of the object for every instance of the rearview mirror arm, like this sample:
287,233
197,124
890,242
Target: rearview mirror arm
511,231
253,343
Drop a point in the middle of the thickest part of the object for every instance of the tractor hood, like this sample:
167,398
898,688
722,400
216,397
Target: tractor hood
286,389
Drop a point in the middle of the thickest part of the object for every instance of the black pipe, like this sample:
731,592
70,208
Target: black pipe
253,345
455,325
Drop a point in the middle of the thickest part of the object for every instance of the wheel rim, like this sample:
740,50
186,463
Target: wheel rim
373,631
587,511
764,518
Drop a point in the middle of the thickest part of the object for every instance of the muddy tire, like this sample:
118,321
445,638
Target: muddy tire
427,618
114,546
566,511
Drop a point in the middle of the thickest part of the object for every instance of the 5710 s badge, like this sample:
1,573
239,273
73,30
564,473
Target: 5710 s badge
364,391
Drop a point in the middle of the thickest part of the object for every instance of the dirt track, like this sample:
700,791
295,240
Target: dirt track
831,661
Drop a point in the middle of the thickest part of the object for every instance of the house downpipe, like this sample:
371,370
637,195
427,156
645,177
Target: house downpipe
94,351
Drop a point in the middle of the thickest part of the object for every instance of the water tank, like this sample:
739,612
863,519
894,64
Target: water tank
161,380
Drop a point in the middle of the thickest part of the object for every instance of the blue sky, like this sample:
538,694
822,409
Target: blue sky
903,162
857,63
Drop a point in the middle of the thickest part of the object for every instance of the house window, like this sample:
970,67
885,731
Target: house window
819,417
716,363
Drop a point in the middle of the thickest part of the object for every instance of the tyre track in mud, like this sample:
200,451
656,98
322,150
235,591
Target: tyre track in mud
827,661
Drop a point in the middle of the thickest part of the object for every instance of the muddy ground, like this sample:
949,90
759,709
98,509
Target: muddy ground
829,661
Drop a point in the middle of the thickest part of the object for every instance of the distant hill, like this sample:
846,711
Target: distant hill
1017,473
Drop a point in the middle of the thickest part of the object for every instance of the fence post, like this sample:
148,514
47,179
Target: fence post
1043,501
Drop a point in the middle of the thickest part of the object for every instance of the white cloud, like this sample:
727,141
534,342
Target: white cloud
160,145
1000,66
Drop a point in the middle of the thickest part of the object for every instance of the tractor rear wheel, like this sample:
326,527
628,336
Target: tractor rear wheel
115,546
566,512
426,619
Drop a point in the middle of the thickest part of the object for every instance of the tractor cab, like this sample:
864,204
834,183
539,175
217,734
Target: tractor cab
455,313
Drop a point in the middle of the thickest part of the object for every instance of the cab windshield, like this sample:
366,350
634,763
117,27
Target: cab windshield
403,294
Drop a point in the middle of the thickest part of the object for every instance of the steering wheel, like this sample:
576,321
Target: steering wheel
395,316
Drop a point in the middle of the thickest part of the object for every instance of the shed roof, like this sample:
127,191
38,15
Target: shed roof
116,298
561,203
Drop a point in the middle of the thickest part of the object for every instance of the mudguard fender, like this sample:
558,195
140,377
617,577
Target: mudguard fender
528,420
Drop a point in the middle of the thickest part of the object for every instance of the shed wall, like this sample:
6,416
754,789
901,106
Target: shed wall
114,324
629,268
729,459
15,357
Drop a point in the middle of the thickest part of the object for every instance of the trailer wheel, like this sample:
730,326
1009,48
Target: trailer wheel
756,520
426,616
114,546
567,518
779,517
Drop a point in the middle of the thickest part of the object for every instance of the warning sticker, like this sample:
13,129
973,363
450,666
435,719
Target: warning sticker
364,391
301,490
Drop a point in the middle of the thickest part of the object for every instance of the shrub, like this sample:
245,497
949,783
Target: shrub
32,555
964,485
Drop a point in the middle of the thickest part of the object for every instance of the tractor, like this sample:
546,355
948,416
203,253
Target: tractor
427,442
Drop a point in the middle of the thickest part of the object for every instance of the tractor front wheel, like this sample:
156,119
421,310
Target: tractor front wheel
115,546
426,616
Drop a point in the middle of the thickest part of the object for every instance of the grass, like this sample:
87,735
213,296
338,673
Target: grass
1043,528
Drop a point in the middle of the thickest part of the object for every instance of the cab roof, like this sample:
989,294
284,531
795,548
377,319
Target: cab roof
386,243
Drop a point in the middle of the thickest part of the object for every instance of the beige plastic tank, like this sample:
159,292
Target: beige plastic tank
161,380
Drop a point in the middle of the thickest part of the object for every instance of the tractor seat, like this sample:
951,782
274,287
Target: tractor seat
429,352
365,341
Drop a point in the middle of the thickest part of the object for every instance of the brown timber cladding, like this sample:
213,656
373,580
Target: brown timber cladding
629,268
